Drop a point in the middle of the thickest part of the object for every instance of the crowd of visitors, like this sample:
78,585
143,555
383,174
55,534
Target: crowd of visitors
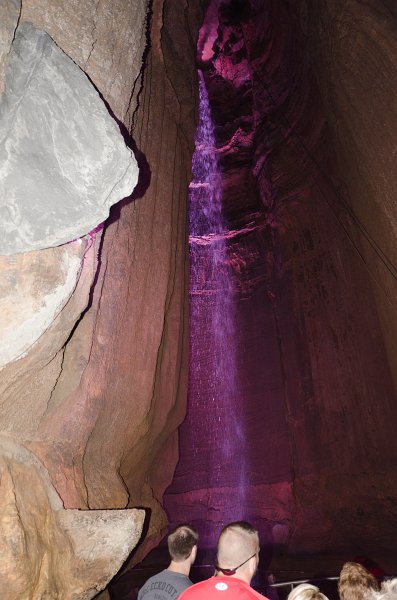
237,562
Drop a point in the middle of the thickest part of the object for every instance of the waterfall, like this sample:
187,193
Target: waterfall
215,405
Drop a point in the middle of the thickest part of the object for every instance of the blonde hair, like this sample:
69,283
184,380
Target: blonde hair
388,591
355,582
306,591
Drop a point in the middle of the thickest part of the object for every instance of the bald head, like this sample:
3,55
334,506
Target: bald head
237,543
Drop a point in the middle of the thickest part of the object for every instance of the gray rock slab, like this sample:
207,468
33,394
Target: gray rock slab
63,161
10,11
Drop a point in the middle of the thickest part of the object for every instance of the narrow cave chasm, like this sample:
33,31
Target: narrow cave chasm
290,420
290,381
238,453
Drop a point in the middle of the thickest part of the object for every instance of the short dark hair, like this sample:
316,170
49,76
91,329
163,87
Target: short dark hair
181,542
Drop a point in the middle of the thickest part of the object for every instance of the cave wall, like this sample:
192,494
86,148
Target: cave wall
302,101
356,74
356,81
97,398
314,358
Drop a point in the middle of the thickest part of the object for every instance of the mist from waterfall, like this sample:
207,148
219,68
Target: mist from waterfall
213,373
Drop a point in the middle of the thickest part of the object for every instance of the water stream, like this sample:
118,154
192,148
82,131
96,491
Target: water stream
215,405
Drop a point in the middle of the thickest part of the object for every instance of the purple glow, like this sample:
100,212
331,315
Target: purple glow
213,371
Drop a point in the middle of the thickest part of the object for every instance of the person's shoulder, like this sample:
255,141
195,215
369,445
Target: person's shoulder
155,577
251,593
177,575
149,583
215,587
246,592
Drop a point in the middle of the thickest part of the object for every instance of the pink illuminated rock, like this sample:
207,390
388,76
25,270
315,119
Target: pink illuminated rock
315,358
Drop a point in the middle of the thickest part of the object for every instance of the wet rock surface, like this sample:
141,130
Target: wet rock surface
315,369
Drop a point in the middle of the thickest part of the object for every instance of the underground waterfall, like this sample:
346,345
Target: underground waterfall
213,370
293,349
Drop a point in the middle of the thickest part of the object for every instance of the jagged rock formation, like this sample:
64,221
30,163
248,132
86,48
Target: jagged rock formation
34,288
50,552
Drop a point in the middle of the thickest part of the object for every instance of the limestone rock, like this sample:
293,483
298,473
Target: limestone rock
99,396
47,551
34,287
27,385
64,161
106,442
103,596
106,39
9,15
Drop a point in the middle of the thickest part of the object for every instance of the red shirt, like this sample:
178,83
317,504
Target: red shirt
221,588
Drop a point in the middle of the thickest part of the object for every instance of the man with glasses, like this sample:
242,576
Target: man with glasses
237,561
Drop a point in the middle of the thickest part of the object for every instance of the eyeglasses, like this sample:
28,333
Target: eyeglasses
233,571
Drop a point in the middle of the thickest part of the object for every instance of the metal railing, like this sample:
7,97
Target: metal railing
296,582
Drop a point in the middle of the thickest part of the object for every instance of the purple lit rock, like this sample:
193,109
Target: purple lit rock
314,352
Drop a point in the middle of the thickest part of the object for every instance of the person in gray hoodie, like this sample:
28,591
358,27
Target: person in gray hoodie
172,581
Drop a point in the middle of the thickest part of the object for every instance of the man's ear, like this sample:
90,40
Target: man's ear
193,554
253,565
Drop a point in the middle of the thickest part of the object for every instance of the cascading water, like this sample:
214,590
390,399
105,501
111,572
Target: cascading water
235,443
227,467
213,373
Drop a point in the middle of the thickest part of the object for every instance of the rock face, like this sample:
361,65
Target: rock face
50,552
94,388
10,12
64,162
358,102
95,384
315,362
34,288
107,41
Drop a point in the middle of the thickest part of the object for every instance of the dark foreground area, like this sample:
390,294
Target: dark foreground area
322,571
